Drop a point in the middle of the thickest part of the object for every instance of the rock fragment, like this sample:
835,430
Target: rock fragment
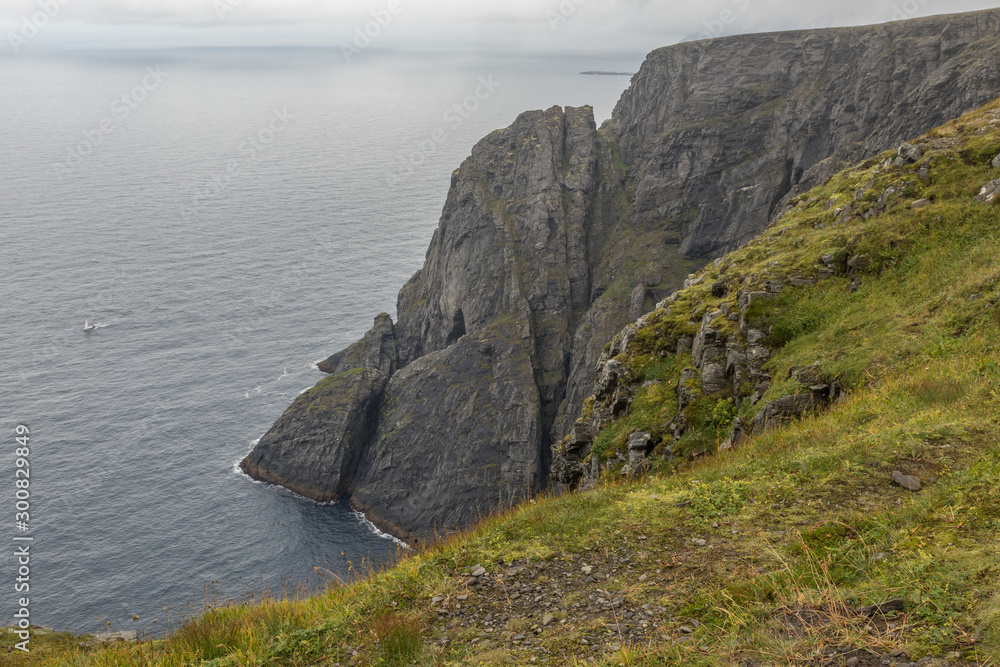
908,482
898,604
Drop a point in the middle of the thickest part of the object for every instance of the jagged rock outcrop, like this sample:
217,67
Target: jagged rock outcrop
555,235
315,447
457,438
377,351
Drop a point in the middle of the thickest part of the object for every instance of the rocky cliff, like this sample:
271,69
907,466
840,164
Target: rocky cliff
556,234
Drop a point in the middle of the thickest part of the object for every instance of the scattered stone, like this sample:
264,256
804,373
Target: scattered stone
685,629
547,619
996,162
855,284
700,542
478,571
908,482
908,153
859,262
586,569
897,604
919,204
853,662
989,192
808,375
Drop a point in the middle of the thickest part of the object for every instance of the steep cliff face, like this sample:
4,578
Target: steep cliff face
716,133
556,234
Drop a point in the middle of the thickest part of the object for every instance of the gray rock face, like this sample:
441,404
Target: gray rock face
555,235
638,447
315,447
716,133
457,438
377,350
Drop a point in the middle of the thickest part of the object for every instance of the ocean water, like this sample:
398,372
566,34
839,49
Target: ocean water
226,218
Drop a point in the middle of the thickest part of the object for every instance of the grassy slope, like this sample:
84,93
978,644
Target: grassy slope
801,523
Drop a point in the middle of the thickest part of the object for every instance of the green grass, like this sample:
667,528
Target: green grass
802,524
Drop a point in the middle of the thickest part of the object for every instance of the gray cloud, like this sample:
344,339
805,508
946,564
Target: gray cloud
542,24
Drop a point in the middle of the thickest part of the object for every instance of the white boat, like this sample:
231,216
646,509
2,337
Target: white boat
87,326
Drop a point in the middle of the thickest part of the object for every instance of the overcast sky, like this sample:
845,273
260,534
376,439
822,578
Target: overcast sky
572,25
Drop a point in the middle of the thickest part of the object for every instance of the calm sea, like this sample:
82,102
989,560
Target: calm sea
226,218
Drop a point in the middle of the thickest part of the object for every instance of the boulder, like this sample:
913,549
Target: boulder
780,411
713,376
638,447
898,604
989,192
735,356
908,482
807,375
908,153
610,375
859,263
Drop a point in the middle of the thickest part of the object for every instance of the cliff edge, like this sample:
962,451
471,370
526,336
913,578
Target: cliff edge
556,234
